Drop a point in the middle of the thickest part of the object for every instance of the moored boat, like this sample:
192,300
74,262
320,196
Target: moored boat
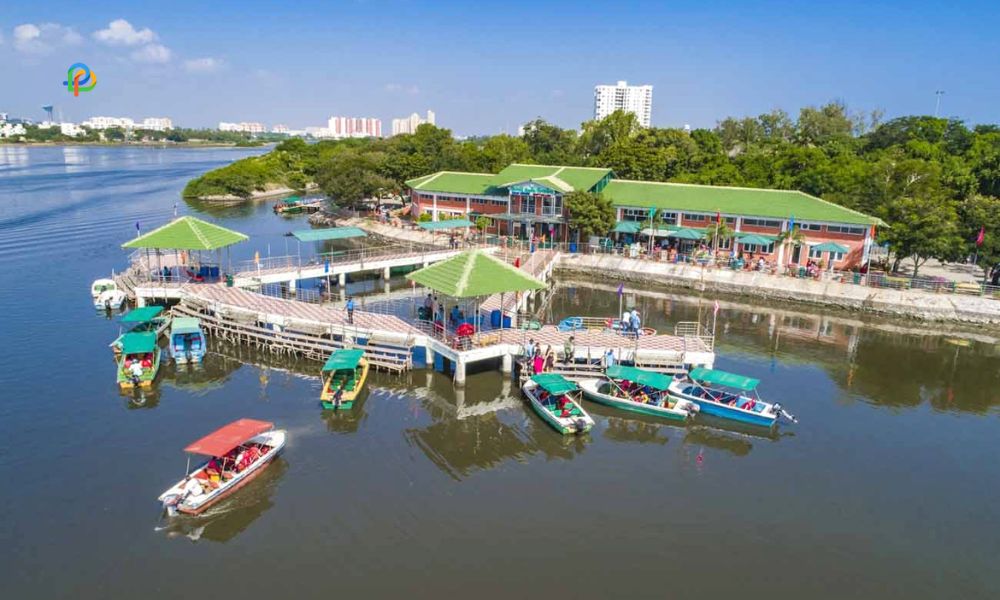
238,453
140,320
139,361
639,391
106,294
100,286
733,397
344,374
187,340
552,397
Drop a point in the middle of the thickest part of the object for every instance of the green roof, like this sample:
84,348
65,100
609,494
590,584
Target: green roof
554,383
776,204
474,273
755,239
627,227
138,343
331,233
830,247
291,200
723,378
558,178
686,233
343,359
654,380
185,325
445,224
480,184
142,314
187,233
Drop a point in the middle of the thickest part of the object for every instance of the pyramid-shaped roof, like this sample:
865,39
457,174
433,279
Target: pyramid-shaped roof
472,274
187,233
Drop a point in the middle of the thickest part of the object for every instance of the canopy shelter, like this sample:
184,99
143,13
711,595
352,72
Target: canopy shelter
554,383
472,274
187,234
341,360
222,440
143,314
830,247
723,378
138,343
331,233
755,239
686,233
632,227
291,200
185,325
657,381
448,224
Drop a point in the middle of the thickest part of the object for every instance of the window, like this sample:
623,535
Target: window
811,227
813,253
762,223
845,229
552,205
726,244
836,256
694,217
635,214
755,249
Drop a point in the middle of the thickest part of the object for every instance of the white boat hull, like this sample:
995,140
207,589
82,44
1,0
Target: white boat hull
565,425
682,409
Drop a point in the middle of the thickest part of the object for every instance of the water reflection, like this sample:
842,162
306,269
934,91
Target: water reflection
232,516
347,420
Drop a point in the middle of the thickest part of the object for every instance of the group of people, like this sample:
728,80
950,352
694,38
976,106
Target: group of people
543,362
135,366
636,392
631,322
564,405
221,469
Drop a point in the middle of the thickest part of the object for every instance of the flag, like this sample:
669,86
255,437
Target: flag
715,311
981,236
718,217
326,266
256,258
791,223
621,289
137,226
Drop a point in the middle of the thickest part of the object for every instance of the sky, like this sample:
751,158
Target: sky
485,67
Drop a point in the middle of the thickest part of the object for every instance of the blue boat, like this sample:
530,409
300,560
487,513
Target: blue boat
187,341
732,397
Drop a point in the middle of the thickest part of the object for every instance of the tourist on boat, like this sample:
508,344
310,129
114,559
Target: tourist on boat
568,351
135,370
350,310
193,487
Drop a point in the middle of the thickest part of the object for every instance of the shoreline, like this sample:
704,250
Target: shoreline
213,145
256,196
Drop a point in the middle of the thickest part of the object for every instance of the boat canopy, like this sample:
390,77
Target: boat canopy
143,314
657,381
185,325
732,380
554,383
343,359
330,233
291,200
222,440
138,343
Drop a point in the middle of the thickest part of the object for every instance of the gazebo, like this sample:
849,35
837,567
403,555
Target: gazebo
188,237
470,276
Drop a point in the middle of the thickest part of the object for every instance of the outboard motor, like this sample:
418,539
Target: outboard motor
581,425
170,504
778,411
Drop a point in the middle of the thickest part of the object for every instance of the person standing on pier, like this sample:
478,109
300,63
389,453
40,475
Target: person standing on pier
350,310
568,351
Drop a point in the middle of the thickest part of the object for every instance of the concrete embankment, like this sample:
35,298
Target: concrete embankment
912,304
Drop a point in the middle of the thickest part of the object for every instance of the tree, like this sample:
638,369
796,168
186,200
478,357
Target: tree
921,227
981,213
613,129
351,177
719,231
790,238
502,150
482,223
589,213
550,145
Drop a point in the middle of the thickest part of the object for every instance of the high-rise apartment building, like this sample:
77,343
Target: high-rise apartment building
354,127
244,126
410,124
636,99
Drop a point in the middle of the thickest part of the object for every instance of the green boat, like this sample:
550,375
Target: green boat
144,319
552,397
638,391
344,375
140,360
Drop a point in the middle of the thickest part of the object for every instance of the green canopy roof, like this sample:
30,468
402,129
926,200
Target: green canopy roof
474,273
138,343
185,325
662,231
830,247
187,233
142,314
343,359
448,224
685,233
628,227
755,239
291,200
723,378
654,380
332,233
554,383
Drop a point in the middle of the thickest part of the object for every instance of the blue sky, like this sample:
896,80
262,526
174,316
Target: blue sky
485,67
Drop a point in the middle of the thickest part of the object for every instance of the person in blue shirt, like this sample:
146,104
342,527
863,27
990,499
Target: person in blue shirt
350,310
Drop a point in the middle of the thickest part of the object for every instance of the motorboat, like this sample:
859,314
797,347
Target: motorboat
556,400
344,374
139,361
187,340
140,320
726,395
238,452
639,391
102,285
106,294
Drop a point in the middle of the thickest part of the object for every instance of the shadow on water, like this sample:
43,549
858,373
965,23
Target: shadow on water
347,420
232,516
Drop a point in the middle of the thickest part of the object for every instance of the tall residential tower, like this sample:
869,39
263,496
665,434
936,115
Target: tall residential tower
636,99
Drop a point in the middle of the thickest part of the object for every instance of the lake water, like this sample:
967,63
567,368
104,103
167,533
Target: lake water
886,488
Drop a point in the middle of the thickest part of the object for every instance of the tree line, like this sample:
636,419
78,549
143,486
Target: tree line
934,181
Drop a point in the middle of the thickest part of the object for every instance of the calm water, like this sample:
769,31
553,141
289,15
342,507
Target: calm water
887,488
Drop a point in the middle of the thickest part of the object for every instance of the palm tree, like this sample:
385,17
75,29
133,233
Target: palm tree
791,237
719,231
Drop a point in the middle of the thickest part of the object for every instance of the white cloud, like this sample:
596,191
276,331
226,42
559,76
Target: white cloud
206,64
152,53
397,88
43,38
121,33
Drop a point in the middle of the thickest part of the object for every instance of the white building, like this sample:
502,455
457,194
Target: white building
157,124
410,124
279,129
636,99
108,122
353,127
8,130
243,126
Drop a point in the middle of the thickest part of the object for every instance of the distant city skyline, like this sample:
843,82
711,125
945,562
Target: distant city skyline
707,60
